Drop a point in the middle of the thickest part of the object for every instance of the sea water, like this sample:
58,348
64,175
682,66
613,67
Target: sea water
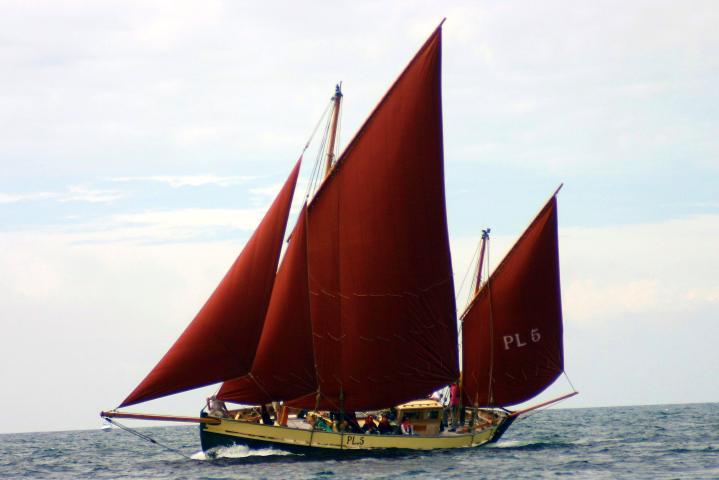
669,441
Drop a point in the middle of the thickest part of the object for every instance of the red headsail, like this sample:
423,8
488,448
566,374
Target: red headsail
380,276
220,342
284,364
512,331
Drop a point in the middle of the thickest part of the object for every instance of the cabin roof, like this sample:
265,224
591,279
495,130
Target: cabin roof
420,404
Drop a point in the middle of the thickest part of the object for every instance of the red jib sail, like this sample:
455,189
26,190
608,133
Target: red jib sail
220,342
284,366
512,331
380,276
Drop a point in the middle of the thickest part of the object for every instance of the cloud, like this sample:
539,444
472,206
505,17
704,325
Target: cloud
245,219
77,193
160,226
270,191
84,194
179,181
25,197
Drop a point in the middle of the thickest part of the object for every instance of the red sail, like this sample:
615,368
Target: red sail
381,287
220,342
512,332
284,365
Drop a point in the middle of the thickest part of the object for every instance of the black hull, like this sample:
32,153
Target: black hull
211,441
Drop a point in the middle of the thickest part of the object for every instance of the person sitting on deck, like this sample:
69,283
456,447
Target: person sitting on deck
407,428
266,419
352,422
216,408
318,423
369,425
341,426
384,426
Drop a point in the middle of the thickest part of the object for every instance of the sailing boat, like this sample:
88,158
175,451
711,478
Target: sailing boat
360,315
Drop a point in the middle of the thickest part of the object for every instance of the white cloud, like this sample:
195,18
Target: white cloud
76,193
25,197
84,194
163,226
194,218
270,191
179,181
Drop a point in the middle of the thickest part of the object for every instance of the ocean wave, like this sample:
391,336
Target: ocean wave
528,444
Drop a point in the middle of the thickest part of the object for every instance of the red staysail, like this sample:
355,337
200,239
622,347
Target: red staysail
380,276
220,342
284,364
512,331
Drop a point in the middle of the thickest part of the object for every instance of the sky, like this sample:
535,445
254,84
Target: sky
142,141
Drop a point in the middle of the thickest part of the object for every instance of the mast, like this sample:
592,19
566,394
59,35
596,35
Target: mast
480,263
337,99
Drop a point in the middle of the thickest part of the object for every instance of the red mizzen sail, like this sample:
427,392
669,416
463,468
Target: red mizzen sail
380,276
220,342
284,364
512,331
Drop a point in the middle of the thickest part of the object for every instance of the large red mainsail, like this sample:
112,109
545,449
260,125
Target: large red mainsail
284,366
220,342
512,331
380,276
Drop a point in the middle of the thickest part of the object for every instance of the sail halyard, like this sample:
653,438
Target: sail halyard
220,342
512,329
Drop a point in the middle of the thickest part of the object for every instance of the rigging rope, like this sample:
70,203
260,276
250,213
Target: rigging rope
317,126
315,168
469,269
568,380
145,437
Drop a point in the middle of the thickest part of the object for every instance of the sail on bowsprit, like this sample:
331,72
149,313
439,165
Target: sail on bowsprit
512,331
220,342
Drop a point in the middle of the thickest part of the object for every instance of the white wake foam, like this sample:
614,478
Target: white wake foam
509,444
240,451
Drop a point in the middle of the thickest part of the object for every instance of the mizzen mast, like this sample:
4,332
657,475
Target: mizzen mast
337,102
